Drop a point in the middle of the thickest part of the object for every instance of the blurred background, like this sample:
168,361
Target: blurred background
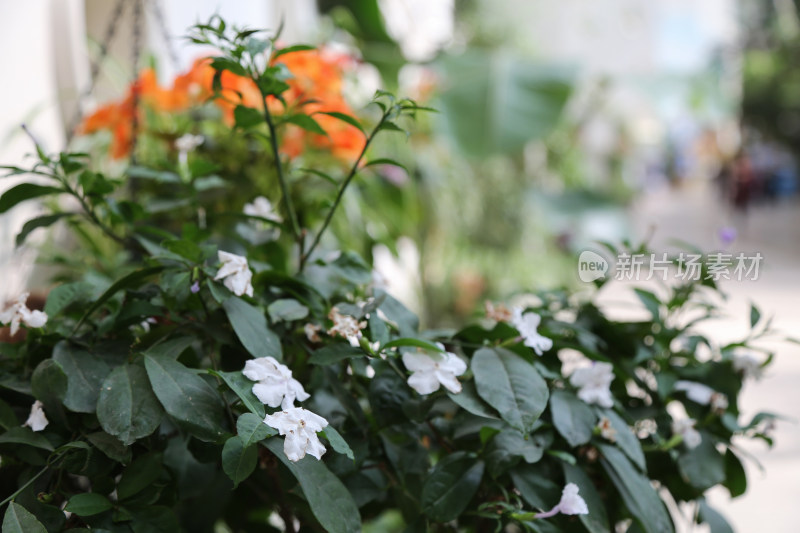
561,122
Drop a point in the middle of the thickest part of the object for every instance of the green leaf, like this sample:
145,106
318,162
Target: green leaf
337,442
243,388
18,520
511,385
330,501
639,496
25,191
386,161
85,374
650,301
126,406
419,343
345,118
38,222
509,446
134,279
291,49
735,475
49,383
155,519
333,353
24,435
186,397
252,429
7,417
716,522
469,400
323,175
627,440
111,446
172,348
500,101
63,295
238,459
755,315
573,419
247,117
306,122
536,489
250,326
141,473
702,466
597,519
88,504
450,486
287,310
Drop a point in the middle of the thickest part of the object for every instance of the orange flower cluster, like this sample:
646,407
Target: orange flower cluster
316,87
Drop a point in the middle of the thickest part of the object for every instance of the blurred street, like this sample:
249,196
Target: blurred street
694,213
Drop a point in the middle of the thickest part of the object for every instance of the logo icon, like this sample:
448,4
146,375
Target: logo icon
591,266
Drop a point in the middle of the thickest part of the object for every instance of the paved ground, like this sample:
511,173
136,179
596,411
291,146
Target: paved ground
694,214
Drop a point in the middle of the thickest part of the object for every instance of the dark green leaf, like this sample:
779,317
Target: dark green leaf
88,504
85,374
573,419
509,446
337,442
24,435
155,519
329,499
25,191
735,475
247,117
38,222
287,310
755,315
186,397
419,343
18,520
627,441
251,429
650,301
63,295
333,353
451,485
111,446
139,475
639,496
134,279
126,406
385,161
306,122
702,466
511,385
250,326
291,49
345,118
243,388
597,519
535,488
716,522
238,459
469,400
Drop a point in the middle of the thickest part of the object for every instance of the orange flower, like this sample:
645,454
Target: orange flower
316,86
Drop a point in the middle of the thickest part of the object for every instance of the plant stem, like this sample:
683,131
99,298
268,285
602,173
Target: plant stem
25,486
273,140
340,193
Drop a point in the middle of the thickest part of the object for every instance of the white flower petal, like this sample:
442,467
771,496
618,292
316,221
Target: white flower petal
571,503
423,382
37,420
418,362
697,392
593,383
300,428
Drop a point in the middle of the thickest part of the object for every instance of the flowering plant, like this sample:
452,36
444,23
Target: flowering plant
226,381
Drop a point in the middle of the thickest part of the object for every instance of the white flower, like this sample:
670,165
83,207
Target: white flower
300,427
261,207
312,332
594,383
702,394
275,386
748,365
571,503
685,428
18,312
236,273
346,326
37,421
526,324
428,372
607,431
188,142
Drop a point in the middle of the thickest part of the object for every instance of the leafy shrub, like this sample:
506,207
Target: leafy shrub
167,399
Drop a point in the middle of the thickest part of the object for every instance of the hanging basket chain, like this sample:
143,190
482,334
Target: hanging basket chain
96,64
136,53
162,26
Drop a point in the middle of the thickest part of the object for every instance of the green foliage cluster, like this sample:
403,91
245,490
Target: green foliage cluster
152,427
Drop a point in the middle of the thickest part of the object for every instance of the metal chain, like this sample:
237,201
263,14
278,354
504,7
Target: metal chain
105,44
137,49
162,26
